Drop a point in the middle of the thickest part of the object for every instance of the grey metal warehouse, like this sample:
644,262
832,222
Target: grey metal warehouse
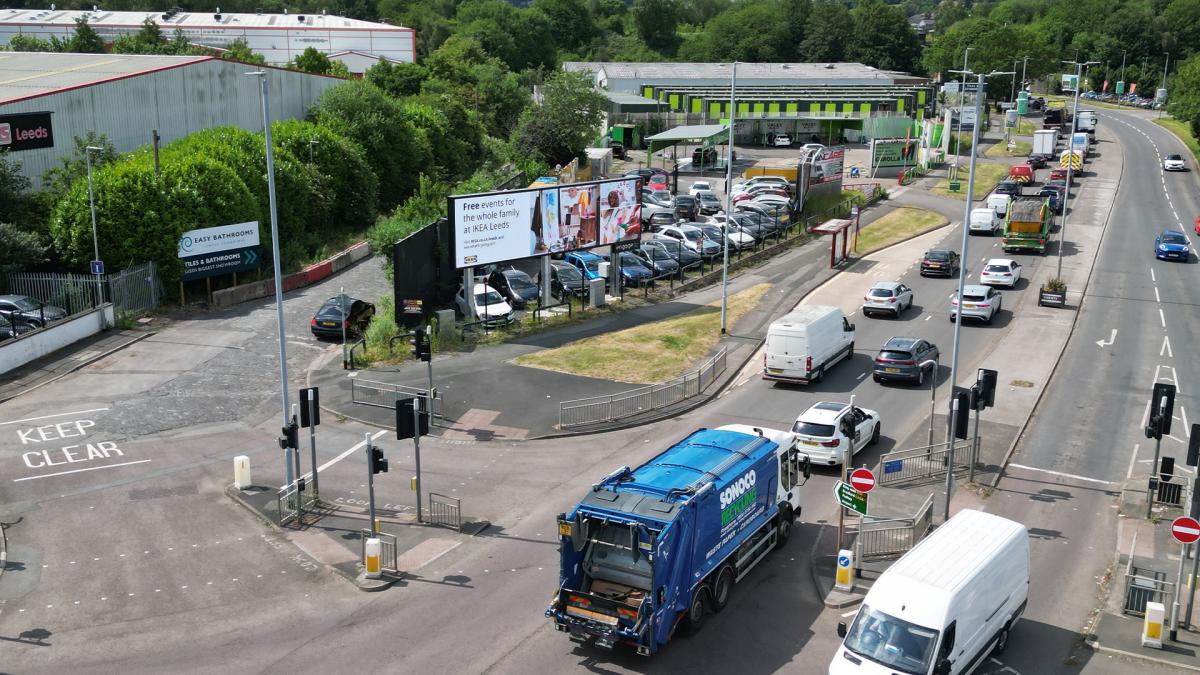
48,99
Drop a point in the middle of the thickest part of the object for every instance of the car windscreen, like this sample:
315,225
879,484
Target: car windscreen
26,304
488,298
684,200
592,265
630,260
996,268
520,282
654,253
1174,157
881,293
813,429
973,297
894,355
568,273
693,235
1174,238
891,642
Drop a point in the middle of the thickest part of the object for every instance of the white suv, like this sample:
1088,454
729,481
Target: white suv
818,432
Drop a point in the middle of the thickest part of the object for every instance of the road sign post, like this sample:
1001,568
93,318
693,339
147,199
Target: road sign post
310,416
1186,531
850,498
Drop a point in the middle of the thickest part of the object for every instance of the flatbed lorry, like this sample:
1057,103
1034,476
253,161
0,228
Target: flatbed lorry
651,550
1027,226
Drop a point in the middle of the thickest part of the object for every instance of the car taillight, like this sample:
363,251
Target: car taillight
346,323
866,298
833,443
313,323
983,305
901,362
891,299
764,359
808,364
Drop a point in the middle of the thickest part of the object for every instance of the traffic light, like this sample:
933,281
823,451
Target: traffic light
1162,405
1194,446
962,417
291,435
405,422
425,348
378,462
416,341
987,386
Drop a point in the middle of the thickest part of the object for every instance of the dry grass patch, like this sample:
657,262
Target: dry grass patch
896,226
651,353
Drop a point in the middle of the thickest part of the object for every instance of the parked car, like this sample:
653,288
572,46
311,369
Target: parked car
681,254
645,173
687,207
692,237
516,287
657,260
661,198
342,311
658,181
710,203
699,186
745,224
491,307
1172,245
22,309
943,262
728,235
587,263
657,220
633,271
9,330
1000,272
704,156
811,147
979,302
565,280
891,297
818,431
775,213
1174,163
901,359
780,140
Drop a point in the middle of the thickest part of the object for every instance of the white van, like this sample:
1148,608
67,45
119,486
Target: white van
999,204
1086,121
803,344
984,220
946,605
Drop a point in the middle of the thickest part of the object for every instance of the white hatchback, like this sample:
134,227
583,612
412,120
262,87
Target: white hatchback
1000,272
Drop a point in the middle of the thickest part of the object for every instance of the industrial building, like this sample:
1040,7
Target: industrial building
827,100
48,99
278,37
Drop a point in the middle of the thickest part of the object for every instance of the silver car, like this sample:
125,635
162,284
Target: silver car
888,297
979,302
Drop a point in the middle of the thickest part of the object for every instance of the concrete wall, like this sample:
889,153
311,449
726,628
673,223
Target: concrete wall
309,275
34,345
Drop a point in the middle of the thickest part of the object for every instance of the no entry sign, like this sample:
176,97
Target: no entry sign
862,480
1185,530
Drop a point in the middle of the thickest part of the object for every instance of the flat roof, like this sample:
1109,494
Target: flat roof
622,98
168,21
747,71
689,133
28,74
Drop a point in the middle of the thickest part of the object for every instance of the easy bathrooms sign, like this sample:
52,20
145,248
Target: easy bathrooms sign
219,250
26,131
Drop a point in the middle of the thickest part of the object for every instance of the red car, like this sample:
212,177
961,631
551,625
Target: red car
658,182
1058,173
1198,226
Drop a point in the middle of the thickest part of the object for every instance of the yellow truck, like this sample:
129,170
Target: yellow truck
1027,226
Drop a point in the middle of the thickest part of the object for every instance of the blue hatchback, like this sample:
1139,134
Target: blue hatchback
587,263
1171,245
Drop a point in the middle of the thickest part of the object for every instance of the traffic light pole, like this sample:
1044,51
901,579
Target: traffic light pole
1153,482
417,450
974,448
371,481
950,450
847,457
429,364
312,442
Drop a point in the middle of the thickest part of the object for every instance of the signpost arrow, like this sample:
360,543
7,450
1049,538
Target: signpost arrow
849,498
250,256
1185,530
862,480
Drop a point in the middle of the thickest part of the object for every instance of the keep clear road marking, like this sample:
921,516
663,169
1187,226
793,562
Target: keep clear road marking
1063,475
346,453
90,468
46,417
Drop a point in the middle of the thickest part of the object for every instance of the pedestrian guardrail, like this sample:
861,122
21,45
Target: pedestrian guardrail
445,511
385,394
919,463
1144,585
880,539
597,409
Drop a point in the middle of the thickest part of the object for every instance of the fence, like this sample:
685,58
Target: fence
1144,585
136,289
388,563
292,500
445,511
926,461
385,394
893,537
613,407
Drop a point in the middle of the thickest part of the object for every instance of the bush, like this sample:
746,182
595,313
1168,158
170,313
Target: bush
342,163
418,211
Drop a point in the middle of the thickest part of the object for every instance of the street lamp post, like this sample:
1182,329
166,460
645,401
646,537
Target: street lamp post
1012,96
1024,64
962,97
1062,232
728,199
87,152
283,377
1164,83
1123,54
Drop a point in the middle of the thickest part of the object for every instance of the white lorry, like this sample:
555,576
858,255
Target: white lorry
1045,142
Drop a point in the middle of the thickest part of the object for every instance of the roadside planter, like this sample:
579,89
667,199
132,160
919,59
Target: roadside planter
1053,294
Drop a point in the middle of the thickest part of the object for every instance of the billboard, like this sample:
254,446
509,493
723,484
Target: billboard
893,152
1069,82
497,226
827,167
224,249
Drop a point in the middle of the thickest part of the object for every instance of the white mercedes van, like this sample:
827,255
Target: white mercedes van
805,343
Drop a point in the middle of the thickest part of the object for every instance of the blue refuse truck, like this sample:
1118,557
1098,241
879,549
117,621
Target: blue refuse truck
652,550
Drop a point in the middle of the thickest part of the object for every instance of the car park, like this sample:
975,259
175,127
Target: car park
887,297
565,280
342,313
516,286
906,359
699,186
687,207
710,203
979,302
657,260
490,306
587,263
942,262
1172,245
686,257
1174,163
818,431
633,271
1000,272
22,309
692,237
984,221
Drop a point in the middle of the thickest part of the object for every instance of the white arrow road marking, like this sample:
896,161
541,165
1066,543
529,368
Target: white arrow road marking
1111,339
1166,347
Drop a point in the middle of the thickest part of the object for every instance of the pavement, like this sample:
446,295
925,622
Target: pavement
51,367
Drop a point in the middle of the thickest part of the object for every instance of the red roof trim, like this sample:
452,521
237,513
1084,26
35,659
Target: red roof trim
384,28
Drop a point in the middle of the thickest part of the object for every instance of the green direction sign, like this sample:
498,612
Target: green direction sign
850,498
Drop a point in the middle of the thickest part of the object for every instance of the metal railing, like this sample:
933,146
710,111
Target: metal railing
388,561
290,503
641,400
924,462
1170,494
136,289
446,511
1143,586
893,537
385,394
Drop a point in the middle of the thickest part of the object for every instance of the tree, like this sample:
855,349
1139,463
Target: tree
750,31
20,249
991,48
239,50
947,13
656,21
85,39
571,24
17,205
564,123
342,165
312,61
1182,22
29,43
827,33
521,39
58,180
883,38
397,79
454,133
1185,97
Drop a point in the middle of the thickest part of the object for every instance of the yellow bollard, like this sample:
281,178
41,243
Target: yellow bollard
412,484
378,526
373,551
1152,625
844,578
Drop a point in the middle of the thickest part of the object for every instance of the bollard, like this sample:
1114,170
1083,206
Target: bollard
1152,625
844,579
372,552
241,472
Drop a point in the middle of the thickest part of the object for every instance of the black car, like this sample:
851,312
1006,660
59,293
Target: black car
940,262
566,279
9,330
686,257
657,260
342,311
516,286
704,156
1008,187
645,173
1037,161
901,359
687,207
24,310
1055,196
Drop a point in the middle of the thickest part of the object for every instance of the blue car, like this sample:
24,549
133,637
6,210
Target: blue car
587,263
634,272
1171,245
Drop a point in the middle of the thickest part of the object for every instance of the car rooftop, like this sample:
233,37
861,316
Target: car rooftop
825,411
890,285
975,289
1000,261
900,342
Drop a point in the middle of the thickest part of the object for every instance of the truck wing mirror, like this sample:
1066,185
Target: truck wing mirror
841,629
806,466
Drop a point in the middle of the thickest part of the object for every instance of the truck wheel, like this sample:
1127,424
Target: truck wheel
820,375
783,527
722,589
697,610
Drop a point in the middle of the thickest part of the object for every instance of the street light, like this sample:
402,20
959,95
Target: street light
283,379
728,199
1122,95
1062,232
87,152
962,97
980,93
1164,84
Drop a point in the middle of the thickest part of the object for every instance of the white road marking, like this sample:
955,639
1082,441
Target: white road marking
1187,428
1109,342
1060,473
1132,460
346,453
1156,296
850,613
929,317
1152,275
1162,318
861,375
31,419
91,468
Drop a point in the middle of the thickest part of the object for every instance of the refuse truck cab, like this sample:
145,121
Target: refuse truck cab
652,550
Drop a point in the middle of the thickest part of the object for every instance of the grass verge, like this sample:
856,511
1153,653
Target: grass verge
896,226
987,174
650,353
1000,150
1183,131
